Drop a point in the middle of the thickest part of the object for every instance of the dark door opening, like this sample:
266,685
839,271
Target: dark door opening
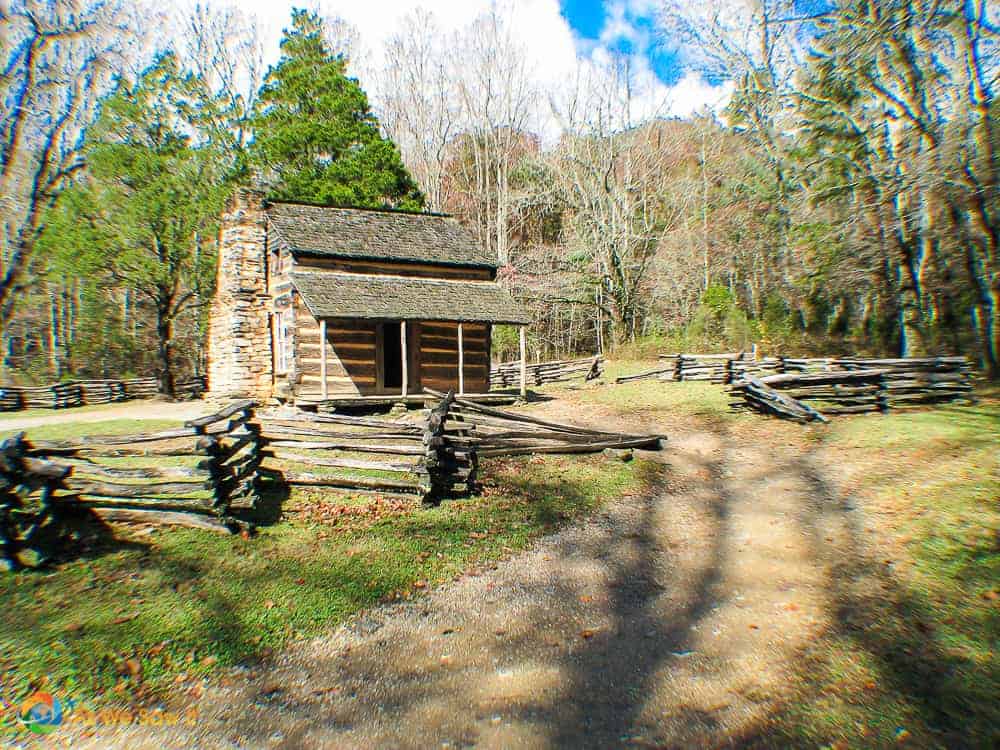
392,356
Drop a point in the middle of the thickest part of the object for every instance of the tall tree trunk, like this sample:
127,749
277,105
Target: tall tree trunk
164,348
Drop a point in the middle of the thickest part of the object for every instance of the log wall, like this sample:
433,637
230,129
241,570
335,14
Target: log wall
438,356
351,368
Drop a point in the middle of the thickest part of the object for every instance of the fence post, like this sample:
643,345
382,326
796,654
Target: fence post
882,395
228,479
437,452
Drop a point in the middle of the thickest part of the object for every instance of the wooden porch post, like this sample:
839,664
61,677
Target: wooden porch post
322,356
406,356
461,362
524,363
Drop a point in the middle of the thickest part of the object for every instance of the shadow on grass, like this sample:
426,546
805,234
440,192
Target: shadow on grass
922,688
273,494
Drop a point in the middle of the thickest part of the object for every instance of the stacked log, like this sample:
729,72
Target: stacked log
189,476
808,364
919,380
449,460
809,396
360,454
90,392
670,364
234,455
738,369
30,523
711,367
760,396
491,433
508,374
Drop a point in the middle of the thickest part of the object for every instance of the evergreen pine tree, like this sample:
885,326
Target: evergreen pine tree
315,134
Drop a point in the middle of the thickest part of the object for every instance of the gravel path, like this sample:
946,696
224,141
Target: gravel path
671,621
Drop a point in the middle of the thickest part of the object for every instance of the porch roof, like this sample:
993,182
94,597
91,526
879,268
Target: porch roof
354,295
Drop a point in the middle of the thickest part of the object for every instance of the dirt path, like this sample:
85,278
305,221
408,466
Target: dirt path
671,620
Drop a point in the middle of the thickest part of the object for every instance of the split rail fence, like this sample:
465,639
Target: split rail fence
854,386
208,474
195,475
345,452
806,388
508,374
485,432
89,392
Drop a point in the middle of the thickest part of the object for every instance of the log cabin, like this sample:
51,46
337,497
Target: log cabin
322,304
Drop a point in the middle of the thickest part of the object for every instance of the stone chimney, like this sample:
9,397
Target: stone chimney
239,337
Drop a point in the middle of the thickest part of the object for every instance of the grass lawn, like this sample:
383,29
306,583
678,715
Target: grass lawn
152,611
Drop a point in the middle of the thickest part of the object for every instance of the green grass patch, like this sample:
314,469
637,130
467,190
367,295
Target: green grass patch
649,397
179,603
67,413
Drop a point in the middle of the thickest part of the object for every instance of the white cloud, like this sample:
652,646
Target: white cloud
553,48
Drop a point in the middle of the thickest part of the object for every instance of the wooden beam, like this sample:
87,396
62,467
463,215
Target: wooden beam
405,355
461,362
322,355
524,362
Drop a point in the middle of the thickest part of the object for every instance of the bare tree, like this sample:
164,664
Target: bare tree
222,47
59,57
610,174
420,109
494,87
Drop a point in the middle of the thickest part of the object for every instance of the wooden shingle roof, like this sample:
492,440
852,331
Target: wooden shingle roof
356,295
374,235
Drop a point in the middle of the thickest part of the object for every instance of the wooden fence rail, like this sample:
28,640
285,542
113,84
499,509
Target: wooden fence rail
89,392
807,397
484,432
711,367
853,386
343,452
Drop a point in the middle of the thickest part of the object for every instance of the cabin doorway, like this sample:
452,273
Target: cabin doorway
390,357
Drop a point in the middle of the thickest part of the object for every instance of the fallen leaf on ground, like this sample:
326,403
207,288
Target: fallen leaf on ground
133,667
588,632
125,618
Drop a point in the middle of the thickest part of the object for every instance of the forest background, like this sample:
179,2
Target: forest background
843,199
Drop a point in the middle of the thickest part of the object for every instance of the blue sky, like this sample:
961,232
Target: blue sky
589,19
